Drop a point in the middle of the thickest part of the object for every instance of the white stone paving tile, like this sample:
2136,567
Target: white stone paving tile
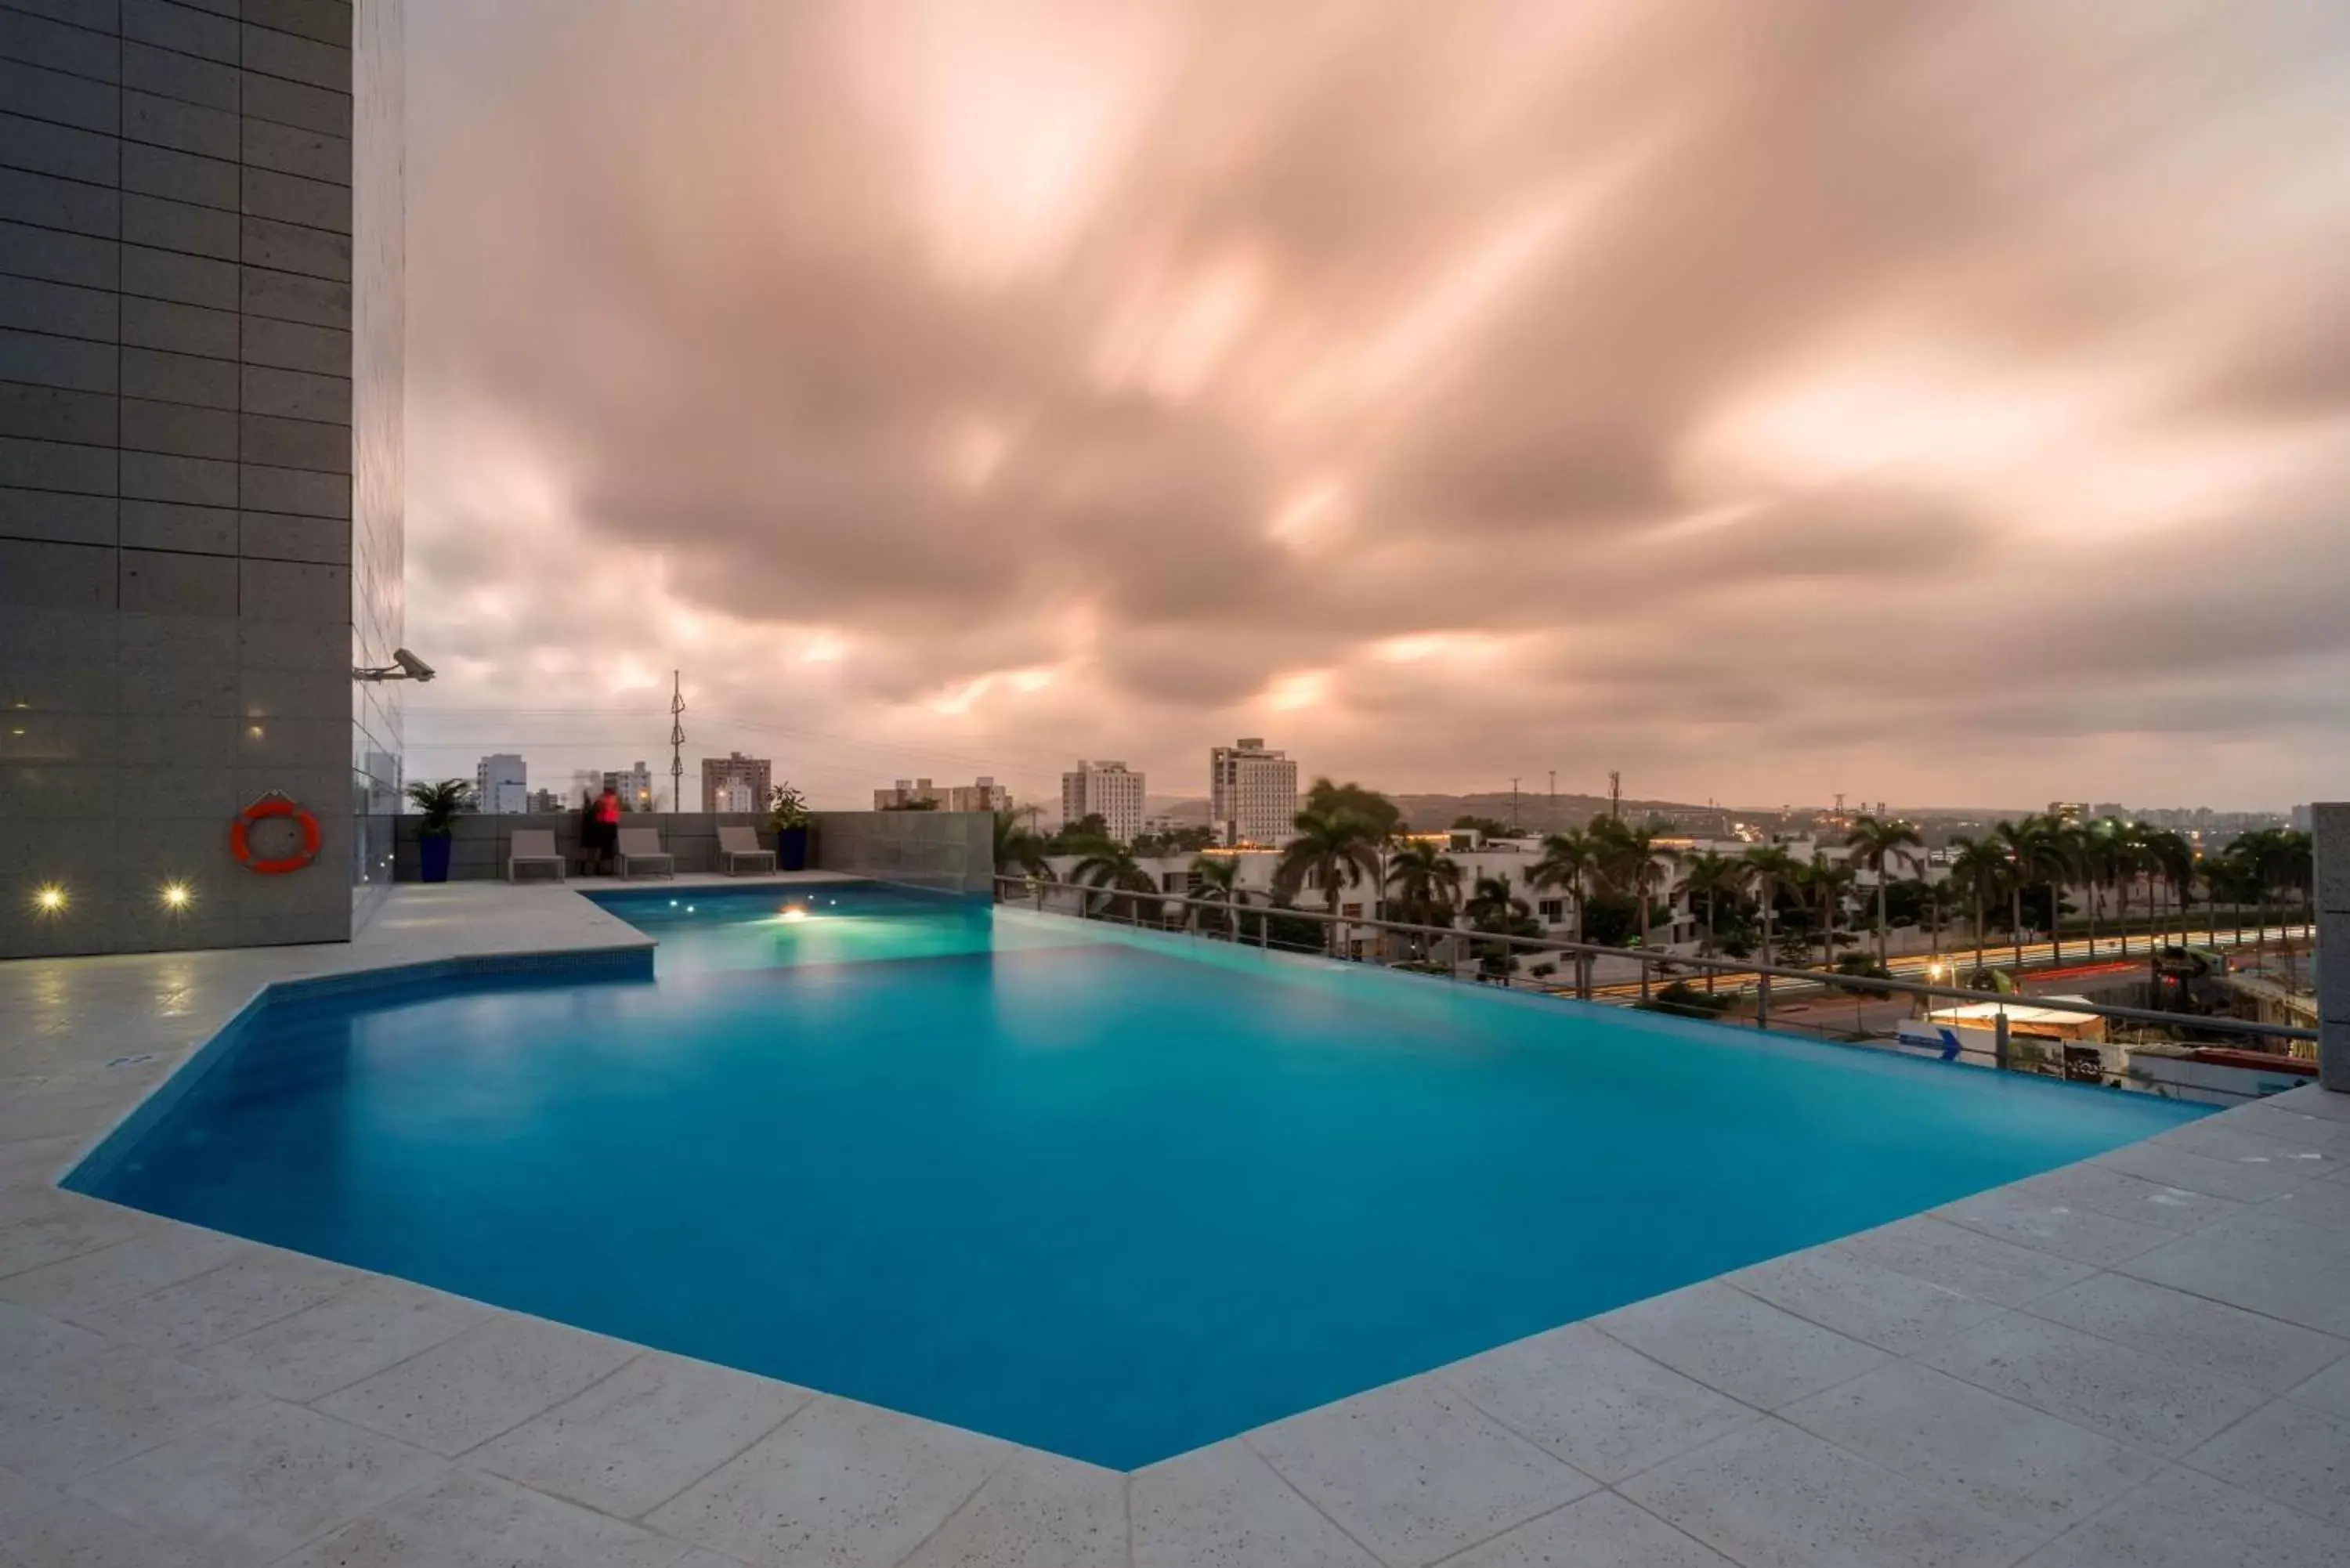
2322,1203
2173,1166
643,1435
2006,1458
2290,1125
1223,1507
1740,1344
261,1286
2182,1520
2256,1261
2092,1186
2249,1140
2288,1453
1967,1261
471,1520
487,1380
21,1495
61,1421
340,1341
2190,1331
2065,1230
1602,1531
82,1225
1602,1407
259,1481
2111,1389
77,1534
837,1484
1831,1287
91,1282
1414,1471
1038,1509
2328,1391
1773,1496
27,1339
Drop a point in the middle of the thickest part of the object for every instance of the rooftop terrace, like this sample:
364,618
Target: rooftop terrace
2137,1360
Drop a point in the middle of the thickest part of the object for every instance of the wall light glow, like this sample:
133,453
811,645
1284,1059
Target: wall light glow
176,895
49,898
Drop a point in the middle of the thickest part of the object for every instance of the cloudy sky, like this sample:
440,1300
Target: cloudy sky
1942,403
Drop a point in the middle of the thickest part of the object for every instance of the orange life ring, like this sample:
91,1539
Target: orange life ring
274,804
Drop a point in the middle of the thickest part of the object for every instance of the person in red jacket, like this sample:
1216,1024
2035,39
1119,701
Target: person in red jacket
601,832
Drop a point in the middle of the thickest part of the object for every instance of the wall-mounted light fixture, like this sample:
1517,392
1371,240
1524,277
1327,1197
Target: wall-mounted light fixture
49,897
177,896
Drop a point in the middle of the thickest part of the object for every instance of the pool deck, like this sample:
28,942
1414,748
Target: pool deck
2141,1361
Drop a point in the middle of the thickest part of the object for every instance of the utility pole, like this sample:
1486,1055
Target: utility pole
1513,804
1615,794
676,740
1550,812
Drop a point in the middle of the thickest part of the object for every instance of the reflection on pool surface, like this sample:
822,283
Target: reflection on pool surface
1112,1195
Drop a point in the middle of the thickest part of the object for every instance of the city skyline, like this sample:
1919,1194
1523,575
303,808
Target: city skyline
1706,390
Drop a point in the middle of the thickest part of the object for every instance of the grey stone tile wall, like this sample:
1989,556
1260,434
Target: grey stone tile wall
190,195
950,850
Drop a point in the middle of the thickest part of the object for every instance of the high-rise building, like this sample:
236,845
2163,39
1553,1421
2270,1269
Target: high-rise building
916,794
501,785
201,479
1109,790
546,800
1252,793
634,786
735,782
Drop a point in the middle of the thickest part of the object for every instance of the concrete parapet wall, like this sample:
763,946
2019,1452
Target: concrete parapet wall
480,844
950,850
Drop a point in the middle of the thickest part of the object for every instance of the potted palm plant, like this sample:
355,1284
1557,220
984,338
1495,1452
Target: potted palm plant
788,819
442,804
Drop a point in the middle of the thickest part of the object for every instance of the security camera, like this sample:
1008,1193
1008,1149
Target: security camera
404,665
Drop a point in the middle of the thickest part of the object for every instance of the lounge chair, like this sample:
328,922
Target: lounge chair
641,845
533,847
736,845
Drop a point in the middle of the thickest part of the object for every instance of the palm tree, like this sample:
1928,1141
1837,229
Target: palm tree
1424,882
1828,881
1710,875
1633,863
1773,869
442,804
1569,861
2173,858
1113,865
1493,907
1216,879
1875,843
1980,869
1019,845
2123,848
2040,854
1338,848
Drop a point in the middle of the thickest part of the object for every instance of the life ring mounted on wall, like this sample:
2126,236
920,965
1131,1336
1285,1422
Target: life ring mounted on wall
274,803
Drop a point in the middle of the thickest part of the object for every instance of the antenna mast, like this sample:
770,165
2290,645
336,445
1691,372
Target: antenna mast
676,741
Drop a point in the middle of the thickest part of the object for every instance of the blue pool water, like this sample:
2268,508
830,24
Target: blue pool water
1113,1196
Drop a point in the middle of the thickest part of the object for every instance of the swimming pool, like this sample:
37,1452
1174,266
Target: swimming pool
1112,1195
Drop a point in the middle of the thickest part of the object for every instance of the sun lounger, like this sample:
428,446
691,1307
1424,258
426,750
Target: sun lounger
641,846
737,846
533,847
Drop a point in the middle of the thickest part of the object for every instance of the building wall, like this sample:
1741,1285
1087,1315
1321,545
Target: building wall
1107,790
176,457
379,482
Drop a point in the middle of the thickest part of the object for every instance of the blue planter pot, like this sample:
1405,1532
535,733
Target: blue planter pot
432,856
791,848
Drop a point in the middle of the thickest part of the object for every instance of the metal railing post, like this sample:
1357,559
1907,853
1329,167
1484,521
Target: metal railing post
1999,1052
